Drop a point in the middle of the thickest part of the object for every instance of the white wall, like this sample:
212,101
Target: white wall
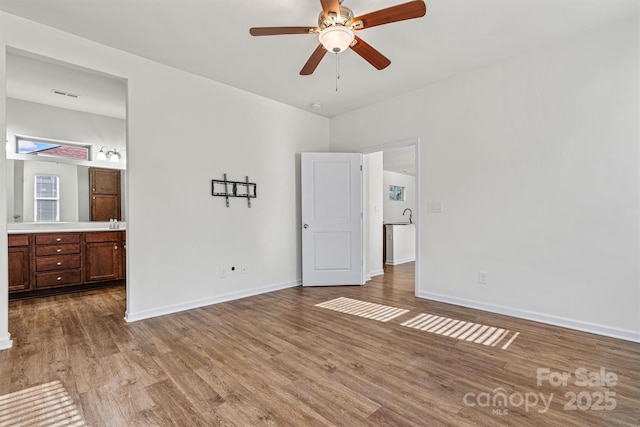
5,336
536,162
178,235
393,208
373,214
10,198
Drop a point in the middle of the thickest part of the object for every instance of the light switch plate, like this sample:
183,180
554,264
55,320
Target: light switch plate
434,207
482,277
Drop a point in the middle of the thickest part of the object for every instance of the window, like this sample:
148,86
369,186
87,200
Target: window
48,147
47,198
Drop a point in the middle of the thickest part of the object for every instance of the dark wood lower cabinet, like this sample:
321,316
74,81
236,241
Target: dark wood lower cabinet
64,261
56,258
19,269
103,256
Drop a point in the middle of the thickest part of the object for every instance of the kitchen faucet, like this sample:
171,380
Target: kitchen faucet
410,215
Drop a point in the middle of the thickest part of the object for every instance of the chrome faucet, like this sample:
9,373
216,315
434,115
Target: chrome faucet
410,215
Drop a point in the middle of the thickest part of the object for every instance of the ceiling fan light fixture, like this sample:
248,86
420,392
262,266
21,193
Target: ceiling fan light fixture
336,38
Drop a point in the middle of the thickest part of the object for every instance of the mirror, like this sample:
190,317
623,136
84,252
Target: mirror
74,194
54,101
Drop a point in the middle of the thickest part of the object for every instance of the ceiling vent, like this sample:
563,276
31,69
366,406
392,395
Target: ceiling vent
64,93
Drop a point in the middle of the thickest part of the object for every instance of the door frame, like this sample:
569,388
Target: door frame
415,142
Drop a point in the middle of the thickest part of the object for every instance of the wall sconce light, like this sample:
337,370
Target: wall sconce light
112,155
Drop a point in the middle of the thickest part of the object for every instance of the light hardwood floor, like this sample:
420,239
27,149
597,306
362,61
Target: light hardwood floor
278,360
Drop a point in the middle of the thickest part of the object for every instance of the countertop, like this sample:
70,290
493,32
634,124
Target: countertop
60,227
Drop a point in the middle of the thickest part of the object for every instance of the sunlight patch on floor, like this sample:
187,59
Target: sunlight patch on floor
43,405
467,331
369,310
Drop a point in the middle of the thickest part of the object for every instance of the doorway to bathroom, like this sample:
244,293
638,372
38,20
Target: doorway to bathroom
392,209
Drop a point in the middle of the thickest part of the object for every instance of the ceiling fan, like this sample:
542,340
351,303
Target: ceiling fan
336,25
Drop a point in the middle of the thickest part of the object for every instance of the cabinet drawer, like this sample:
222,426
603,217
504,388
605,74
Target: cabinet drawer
57,262
57,249
102,236
18,240
57,278
57,238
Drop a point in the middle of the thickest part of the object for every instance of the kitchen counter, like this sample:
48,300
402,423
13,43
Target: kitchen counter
58,227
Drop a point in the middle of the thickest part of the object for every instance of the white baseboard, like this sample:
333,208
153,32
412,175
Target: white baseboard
624,334
147,314
400,261
370,275
6,342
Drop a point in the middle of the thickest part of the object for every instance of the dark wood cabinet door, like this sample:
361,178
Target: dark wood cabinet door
102,261
19,269
104,181
105,202
105,207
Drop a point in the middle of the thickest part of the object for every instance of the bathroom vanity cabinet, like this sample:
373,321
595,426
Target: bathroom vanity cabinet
64,260
57,259
103,256
19,263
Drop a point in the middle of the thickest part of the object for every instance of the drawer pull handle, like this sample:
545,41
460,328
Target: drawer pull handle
59,263
58,239
58,250
59,278
115,248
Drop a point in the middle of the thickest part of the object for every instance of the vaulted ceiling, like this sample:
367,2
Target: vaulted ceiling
211,39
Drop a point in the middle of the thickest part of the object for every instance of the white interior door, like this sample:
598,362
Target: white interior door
332,252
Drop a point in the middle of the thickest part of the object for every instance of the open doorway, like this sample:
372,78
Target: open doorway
392,208
65,125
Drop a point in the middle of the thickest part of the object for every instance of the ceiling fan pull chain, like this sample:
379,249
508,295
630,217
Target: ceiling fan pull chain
337,70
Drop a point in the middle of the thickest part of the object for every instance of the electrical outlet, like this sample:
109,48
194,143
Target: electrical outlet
223,272
482,277
243,269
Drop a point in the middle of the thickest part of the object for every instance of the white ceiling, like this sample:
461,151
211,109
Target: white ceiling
211,38
34,78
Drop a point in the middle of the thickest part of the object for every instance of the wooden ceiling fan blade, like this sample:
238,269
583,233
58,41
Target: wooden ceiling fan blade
371,55
276,31
401,12
330,6
313,61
